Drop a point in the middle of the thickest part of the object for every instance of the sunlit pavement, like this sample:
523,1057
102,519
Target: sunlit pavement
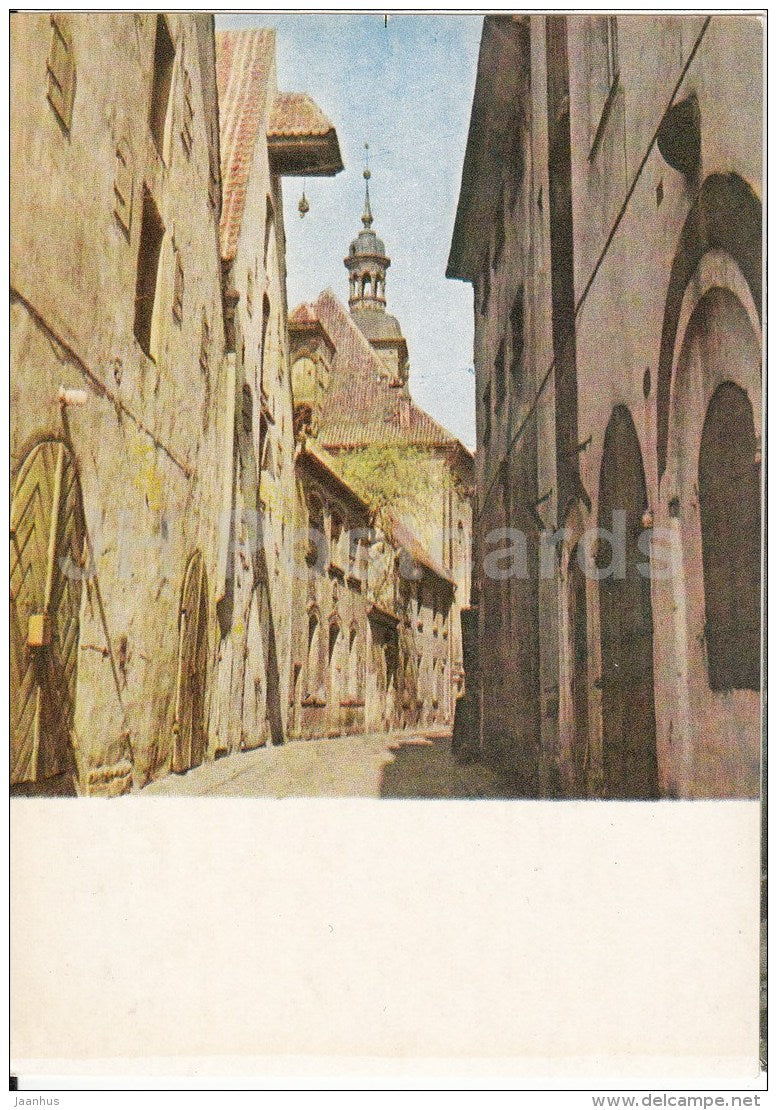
396,765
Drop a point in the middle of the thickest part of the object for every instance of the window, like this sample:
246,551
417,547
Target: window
61,71
178,288
214,176
263,355
250,292
487,415
123,183
314,653
187,121
516,328
164,57
205,343
499,374
730,510
355,667
151,235
248,413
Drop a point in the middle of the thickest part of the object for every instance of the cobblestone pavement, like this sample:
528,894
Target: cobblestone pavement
373,766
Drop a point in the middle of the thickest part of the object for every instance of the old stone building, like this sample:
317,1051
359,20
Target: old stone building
610,222
117,396
350,378
265,135
331,601
372,607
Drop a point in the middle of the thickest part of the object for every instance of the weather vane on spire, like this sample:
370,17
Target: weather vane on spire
367,214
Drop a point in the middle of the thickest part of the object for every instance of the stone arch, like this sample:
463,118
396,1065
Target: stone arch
726,216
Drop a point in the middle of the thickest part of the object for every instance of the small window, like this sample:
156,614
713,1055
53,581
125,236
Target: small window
248,413
205,342
164,57
187,121
265,323
250,292
487,415
516,328
214,177
178,288
151,236
61,70
123,184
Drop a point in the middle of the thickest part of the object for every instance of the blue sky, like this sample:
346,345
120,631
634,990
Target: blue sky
406,88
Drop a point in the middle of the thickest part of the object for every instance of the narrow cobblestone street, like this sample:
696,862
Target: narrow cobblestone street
377,766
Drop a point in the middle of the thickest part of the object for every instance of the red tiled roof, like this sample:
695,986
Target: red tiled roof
297,114
360,407
243,64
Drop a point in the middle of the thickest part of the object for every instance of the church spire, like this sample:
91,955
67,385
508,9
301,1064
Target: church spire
367,213
366,264
367,260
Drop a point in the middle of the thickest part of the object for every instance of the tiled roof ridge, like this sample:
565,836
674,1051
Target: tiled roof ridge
286,103
328,298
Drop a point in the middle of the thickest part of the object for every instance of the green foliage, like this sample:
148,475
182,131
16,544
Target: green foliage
391,478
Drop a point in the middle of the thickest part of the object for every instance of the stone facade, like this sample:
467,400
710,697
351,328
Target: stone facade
610,222
350,375
330,653
255,648
116,373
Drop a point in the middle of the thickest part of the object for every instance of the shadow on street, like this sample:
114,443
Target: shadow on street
427,768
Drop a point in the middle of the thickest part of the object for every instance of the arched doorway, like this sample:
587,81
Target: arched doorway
189,723
46,557
626,620
730,509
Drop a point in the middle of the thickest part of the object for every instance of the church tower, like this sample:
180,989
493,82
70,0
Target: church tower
367,263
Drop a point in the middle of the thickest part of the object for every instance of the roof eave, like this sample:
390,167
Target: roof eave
305,155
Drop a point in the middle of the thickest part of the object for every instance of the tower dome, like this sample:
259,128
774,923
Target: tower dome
367,263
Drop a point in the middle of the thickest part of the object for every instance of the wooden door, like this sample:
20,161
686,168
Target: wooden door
626,620
730,510
46,560
189,723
